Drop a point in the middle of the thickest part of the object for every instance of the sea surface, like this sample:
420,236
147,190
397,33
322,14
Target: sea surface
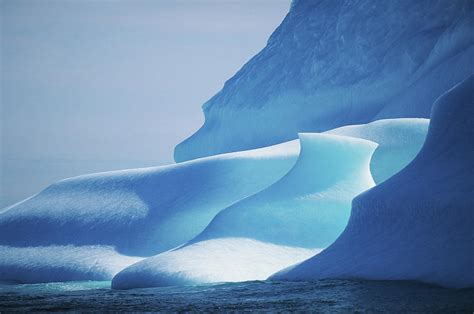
318,296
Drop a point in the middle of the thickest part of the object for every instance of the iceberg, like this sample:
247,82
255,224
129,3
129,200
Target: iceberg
103,210
300,214
335,63
280,178
417,225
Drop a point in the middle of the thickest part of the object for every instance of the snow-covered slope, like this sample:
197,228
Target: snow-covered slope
418,224
333,63
307,208
144,211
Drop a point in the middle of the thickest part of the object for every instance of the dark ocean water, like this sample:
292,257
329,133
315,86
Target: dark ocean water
319,296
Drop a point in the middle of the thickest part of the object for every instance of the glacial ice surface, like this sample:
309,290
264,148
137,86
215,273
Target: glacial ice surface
417,225
335,63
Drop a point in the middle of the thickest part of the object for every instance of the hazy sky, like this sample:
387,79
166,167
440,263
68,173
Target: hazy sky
98,85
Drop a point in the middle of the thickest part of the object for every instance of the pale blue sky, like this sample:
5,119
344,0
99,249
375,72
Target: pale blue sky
98,85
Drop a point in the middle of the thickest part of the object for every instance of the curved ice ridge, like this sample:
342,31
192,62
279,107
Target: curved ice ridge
143,211
418,224
306,209
399,141
105,199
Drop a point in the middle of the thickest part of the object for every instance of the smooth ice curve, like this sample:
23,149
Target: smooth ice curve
143,211
399,141
298,215
418,224
78,202
91,227
309,207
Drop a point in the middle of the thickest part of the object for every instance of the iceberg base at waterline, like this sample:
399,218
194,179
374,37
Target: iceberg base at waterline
211,261
61,263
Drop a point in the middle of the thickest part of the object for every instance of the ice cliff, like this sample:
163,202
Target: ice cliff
333,63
